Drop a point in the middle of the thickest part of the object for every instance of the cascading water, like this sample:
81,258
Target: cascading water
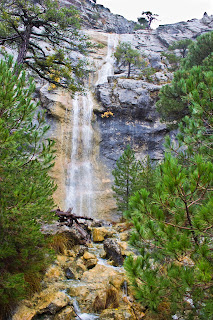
80,174
80,171
107,68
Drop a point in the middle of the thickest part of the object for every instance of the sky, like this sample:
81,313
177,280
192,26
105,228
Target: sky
169,11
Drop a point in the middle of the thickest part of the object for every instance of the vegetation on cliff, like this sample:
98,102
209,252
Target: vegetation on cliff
147,18
125,55
173,223
25,187
126,178
45,35
174,104
130,175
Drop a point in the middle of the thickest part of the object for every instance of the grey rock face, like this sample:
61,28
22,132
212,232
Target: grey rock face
132,102
134,121
96,16
184,30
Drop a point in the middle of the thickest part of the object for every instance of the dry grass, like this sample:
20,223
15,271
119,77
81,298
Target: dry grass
98,304
112,299
60,242
34,282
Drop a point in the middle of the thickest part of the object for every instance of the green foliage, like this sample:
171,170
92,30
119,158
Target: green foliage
126,178
173,60
199,50
142,23
45,34
174,103
126,55
181,45
139,26
25,186
147,18
195,131
147,73
130,175
173,235
173,222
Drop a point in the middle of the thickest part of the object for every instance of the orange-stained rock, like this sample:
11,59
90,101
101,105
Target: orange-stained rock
117,314
99,234
87,255
24,313
66,314
52,302
54,273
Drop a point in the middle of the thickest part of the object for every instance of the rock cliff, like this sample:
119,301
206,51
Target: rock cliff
88,142
96,16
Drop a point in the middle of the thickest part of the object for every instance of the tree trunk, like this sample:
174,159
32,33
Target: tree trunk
24,45
129,70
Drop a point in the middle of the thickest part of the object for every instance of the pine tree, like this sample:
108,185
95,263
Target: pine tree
173,225
25,187
173,104
173,231
148,16
126,178
199,50
181,45
45,36
195,131
127,56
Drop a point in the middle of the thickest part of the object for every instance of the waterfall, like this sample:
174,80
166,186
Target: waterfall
80,193
107,68
80,169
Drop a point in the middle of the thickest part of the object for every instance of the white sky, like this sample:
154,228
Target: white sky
169,11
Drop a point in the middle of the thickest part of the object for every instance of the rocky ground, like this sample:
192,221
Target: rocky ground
86,281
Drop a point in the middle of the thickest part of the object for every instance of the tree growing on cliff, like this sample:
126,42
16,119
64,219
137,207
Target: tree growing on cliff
25,187
127,56
126,178
200,51
173,103
45,35
173,226
147,18
142,24
181,45
130,175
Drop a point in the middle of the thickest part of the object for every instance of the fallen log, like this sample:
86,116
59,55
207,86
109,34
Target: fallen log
69,217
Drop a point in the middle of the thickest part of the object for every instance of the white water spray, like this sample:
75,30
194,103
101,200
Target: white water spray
107,68
80,171
80,174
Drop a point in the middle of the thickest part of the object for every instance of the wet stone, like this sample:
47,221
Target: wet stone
69,274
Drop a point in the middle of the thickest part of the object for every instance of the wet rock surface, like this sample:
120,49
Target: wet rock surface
113,252
82,284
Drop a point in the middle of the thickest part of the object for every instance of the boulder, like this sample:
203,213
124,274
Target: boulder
52,302
24,313
69,274
54,273
90,286
117,314
113,251
66,314
99,234
90,260
124,236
